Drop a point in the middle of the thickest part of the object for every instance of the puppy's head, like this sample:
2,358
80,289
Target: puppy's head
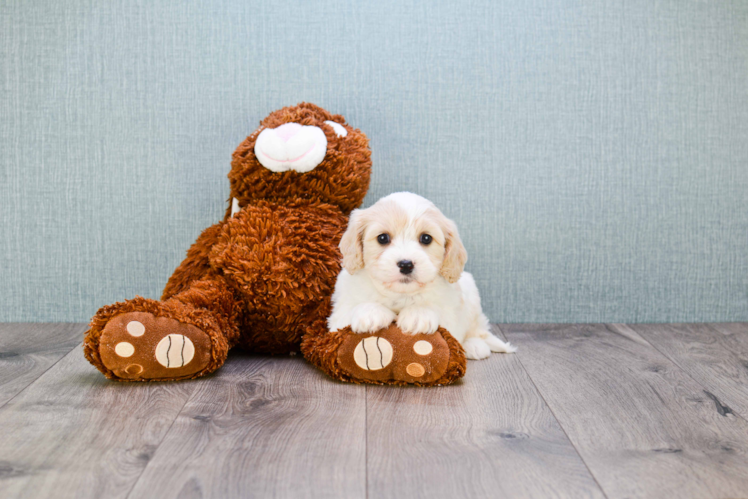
404,242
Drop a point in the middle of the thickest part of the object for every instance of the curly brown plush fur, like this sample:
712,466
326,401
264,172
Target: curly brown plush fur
261,280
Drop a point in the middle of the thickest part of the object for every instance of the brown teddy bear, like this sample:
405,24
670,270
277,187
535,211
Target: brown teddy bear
262,279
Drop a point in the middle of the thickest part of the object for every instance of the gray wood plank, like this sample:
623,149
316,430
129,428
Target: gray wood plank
73,433
28,349
490,435
716,355
642,425
267,427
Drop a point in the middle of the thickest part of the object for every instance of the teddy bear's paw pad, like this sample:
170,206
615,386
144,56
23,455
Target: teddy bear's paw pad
392,356
141,346
373,353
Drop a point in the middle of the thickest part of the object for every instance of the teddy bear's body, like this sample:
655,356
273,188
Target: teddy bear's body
277,275
263,277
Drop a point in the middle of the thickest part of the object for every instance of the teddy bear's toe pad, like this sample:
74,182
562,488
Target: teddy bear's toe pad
141,346
391,356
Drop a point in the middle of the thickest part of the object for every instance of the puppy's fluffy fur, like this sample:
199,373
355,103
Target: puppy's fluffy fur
402,276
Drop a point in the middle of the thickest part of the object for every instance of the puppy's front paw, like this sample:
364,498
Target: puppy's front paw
415,320
370,317
476,348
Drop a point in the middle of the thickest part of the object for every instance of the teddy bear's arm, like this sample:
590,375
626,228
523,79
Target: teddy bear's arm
195,265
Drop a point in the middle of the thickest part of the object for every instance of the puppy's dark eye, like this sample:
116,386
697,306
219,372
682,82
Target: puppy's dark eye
426,239
383,238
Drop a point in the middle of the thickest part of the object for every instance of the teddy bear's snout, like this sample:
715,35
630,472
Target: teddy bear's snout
291,147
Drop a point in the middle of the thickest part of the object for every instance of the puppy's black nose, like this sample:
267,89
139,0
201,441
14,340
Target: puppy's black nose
406,266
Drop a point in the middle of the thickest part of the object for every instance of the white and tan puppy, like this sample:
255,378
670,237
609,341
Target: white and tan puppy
403,261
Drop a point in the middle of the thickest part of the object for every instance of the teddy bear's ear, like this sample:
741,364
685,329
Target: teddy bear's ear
352,243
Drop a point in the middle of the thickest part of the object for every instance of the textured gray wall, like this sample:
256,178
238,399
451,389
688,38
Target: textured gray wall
594,153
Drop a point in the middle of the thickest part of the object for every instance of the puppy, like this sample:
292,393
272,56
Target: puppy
403,261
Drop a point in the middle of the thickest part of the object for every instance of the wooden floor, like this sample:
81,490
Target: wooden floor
580,411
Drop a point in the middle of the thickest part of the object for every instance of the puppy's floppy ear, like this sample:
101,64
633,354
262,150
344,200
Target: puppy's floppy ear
455,255
352,243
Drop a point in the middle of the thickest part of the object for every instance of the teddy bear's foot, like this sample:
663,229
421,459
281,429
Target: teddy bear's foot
141,346
389,357
143,339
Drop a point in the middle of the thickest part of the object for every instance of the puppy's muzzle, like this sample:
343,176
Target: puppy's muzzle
406,266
